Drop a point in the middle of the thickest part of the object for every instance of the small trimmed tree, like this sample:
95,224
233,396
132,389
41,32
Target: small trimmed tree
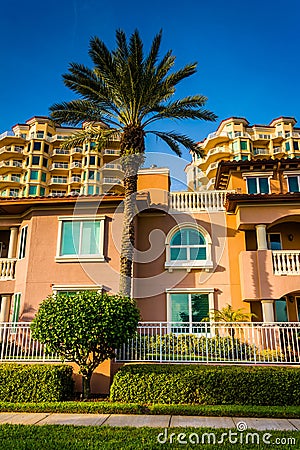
85,327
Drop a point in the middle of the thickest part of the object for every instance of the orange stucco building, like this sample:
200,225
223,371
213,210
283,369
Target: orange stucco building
194,252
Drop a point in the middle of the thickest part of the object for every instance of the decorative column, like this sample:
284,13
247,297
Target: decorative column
268,310
12,247
261,236
5,306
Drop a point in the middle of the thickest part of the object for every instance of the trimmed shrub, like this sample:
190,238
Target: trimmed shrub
192,346
35,382
207,385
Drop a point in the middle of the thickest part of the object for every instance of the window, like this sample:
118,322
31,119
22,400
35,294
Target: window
244,145
91,175
46,148
34,174
235,146
45,162
35,160
37,146
71,289
81,238
44,176
293,183
274,241
187,308
281,310
187,247
92,160
14,192
258,185
40,134
90,190
42,191
23,240
32,190
287,146
16,308
296,145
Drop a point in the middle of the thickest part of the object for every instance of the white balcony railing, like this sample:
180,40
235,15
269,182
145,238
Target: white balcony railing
109,180
76,165
205,342
60,151
180,342
286,262
260,151
7,134
7,268
198,201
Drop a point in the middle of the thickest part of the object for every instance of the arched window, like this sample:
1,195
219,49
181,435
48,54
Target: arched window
188,246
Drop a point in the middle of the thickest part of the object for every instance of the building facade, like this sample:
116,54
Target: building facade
32,163
235,139
195,251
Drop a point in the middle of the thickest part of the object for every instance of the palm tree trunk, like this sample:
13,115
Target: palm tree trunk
128,232
132,158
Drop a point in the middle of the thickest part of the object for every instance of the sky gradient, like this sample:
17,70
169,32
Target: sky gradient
247,53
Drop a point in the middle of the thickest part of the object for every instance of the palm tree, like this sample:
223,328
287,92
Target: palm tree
229,315
129,91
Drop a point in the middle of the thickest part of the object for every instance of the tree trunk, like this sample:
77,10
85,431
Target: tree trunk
132,158
128,232
86,385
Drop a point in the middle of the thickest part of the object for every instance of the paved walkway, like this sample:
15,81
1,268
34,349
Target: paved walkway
162,421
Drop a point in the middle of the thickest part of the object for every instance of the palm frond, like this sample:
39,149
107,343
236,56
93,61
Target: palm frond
91,134
151,59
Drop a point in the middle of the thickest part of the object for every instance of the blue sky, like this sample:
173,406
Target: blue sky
247,53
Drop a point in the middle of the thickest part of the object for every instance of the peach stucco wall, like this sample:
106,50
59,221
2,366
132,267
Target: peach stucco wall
38,272
151,279
258,280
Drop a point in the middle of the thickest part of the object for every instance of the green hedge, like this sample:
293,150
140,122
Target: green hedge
192,346
35,382
207,385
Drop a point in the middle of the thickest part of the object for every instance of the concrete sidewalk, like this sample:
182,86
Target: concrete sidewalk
159,421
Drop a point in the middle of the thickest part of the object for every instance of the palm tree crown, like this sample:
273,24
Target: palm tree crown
129,91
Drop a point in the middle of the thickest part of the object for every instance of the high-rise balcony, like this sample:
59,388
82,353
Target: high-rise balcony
59,165
60,152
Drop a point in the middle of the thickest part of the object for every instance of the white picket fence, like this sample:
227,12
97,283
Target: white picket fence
203,342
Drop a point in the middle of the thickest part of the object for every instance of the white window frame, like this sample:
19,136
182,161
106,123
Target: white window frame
76,287
188,265
269,240
15,312
23,242
81,258
257,175
286,175
190,291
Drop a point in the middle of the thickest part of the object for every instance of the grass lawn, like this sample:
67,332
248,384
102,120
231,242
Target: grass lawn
57,437
105,407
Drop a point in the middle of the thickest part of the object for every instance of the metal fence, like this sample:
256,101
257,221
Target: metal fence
17,344
204,342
